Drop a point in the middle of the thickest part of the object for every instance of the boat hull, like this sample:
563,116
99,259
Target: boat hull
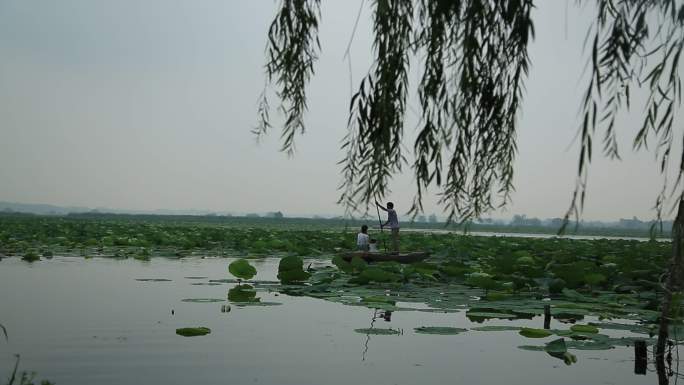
387,257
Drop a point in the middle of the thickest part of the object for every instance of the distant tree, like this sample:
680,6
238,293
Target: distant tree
278,215
420,218
518,220
252,215
432,218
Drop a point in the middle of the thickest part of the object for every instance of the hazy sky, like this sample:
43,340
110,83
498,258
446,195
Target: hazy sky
134,104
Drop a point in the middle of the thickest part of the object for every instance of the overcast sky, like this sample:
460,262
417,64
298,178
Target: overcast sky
133,104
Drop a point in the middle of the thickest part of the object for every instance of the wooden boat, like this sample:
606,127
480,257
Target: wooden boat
387,257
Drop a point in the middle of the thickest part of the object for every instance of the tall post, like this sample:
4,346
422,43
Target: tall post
547,316
640,357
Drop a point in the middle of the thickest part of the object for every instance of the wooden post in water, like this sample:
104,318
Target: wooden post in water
547,316
640,357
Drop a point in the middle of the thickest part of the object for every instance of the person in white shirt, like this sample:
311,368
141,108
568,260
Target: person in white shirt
393,223
362,239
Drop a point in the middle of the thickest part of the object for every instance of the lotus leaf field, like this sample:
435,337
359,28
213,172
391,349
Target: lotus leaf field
591,285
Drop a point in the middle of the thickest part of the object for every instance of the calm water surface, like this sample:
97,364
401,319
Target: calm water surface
89,321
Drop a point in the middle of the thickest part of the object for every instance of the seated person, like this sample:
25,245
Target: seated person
362,239
373,246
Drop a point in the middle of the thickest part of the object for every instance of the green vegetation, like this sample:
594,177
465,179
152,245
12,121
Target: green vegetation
142,237
193,332
291,270
241,269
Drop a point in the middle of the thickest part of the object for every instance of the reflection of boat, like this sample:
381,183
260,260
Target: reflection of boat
387,257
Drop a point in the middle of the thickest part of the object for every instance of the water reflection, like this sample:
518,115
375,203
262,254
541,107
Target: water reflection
386,316
243,294
664,367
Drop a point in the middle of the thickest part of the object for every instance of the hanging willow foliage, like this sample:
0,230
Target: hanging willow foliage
635,44
293,47
473,58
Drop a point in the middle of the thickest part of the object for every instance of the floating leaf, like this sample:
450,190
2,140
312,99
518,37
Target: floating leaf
495,328
256,303
584,328
202,300
378,331
490,315
193,332
442,330
534,333
617,326
378,298
496,296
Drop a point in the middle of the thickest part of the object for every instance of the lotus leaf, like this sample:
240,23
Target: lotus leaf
290,270
358,263
291,263
342,264
495,328
534,333
378,331
556,286
241,268
374,274
441,330
256,303
482,280
193,332
486,315
584,328
594,279
558,348
202,300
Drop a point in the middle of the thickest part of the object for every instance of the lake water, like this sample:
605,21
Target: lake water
89,321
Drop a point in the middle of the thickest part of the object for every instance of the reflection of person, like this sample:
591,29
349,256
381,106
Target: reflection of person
373,246
362,239
392,222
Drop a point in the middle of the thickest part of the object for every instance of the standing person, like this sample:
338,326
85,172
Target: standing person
393,223
362,239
